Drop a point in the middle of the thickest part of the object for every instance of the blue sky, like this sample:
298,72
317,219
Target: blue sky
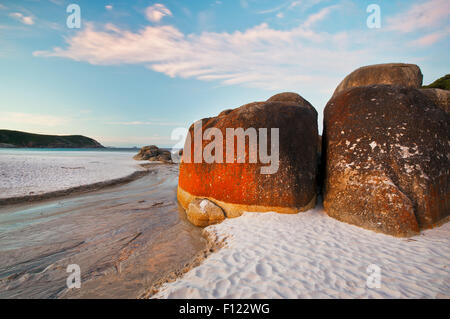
136,70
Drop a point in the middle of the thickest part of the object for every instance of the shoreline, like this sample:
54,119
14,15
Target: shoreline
74,190
212,245
128,240
257,255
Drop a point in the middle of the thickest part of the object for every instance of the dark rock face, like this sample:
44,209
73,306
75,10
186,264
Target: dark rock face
440,97
387,159
408,75
289,97
238,187
154,154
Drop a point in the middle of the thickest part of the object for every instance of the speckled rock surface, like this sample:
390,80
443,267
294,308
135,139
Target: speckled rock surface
440,97
387,155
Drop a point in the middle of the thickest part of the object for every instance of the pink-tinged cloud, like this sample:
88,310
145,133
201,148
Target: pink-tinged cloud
22,18
429,14
258,57
156,12
431,38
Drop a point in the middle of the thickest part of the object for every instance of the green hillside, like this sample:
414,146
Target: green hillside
23,139
442,83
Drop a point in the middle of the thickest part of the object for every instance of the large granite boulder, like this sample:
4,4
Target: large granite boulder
408,75
154,154
203,212
246,186
440,97
387,159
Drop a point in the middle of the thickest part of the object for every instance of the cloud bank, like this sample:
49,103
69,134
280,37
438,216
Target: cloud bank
258,57
261,56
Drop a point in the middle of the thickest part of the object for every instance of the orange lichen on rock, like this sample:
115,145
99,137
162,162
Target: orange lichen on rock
239,187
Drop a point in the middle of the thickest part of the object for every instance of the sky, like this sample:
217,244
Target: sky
136,70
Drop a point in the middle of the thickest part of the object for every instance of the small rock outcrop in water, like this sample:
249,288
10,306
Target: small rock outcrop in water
5,145
238,187
408,75
386,153
154,154
23,139
203,212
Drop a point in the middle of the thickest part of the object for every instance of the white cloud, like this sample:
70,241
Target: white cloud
156,12
258,57
313,18
305,4
57,2
295,4
22,18
274,9
31,119
425,15
108,7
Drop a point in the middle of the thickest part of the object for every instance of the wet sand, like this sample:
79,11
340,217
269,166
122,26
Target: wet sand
125,239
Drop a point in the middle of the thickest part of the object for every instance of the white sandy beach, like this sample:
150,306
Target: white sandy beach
37,172
310,255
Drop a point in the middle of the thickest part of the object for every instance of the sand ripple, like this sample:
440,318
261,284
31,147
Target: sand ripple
310,255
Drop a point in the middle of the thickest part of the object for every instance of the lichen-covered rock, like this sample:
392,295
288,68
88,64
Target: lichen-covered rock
440,97
154,154
203,212
387,159
408,75
239,187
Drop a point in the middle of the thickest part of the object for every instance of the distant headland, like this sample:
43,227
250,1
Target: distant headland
17,139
